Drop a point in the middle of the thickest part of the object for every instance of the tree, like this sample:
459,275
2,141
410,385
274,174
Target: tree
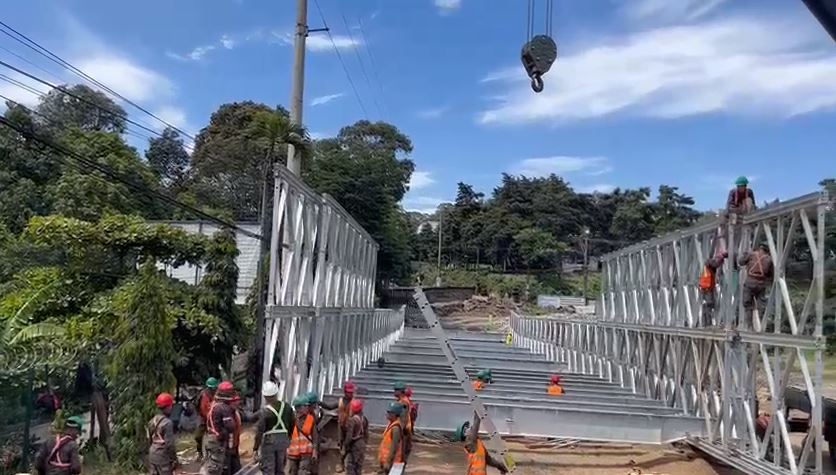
633,219
426,243
79,106
228,160
673,210
538,249
169,159
366,169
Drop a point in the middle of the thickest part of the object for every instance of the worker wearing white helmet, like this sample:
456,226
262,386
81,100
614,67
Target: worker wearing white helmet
272,437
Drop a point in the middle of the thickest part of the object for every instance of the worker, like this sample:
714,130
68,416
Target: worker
233,455
162,453
406,418
741,199
759,273
302,452
708,287
355,438
555,389
220,426
60,456
413,411
343,407
204,401
478,458
271,432
391,446
483,378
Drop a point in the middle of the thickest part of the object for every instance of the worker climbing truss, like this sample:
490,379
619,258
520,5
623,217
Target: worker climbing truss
648,333
321,324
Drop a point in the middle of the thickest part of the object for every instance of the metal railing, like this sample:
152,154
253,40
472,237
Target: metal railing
321,325
652,333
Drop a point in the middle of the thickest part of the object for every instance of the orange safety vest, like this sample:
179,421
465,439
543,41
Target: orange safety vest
301,445
386,445
408,410
477,462
478,385
707,279
343,413
555,390
55,456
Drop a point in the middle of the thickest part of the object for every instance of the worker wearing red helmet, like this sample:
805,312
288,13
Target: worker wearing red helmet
354,439
162,454
220,426
233,454
555,389
343,413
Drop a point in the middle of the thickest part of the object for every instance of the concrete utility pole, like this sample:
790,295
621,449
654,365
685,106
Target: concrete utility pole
294,161
585,265
438,264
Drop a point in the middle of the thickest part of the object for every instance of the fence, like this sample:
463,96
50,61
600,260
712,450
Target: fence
321,325
653,335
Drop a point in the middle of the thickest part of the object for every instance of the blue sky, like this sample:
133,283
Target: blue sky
689,93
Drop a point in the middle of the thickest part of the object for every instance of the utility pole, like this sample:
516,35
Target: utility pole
585,265
294,161
438,264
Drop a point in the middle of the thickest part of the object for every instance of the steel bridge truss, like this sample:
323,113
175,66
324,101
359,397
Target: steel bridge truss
321,324
651,334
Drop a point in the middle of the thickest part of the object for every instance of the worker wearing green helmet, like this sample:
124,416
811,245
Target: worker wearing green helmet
478,457
303,452
391,450
741,199
59,456
203,402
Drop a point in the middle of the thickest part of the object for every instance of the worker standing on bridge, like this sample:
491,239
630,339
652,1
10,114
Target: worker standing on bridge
759,273
220,425
302,453
406,418
391,446
343,412
60,455
271,433
162,454
355,438
708,287
741,199
555,389
483,378
204,401
478,457
233,456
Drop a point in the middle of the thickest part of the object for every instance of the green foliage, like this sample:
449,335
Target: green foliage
538,249
64,111
142,364
169,159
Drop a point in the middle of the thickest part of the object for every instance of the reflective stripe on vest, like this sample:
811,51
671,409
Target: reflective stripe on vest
236,433
55,456
301,444
477,463
279,428
386,445
707,281
210,420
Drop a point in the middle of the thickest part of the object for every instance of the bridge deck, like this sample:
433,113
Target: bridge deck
591,409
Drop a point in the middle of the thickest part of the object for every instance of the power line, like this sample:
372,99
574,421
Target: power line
340,57
362,66
32,44
373,64
127,181
27,61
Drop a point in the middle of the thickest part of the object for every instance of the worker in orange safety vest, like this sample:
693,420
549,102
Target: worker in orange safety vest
483,378
302,453
390,451
708,287
406,418
478,457
555,389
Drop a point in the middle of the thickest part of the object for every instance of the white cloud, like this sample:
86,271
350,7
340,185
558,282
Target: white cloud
432,113
320,43
318,101
174,116
19,94
669,9
562,165
228,42
422,204
129,79
446,7
733,65
420,180
319,135
595,188
196,54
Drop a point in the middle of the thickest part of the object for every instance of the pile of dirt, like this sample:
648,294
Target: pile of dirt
478,313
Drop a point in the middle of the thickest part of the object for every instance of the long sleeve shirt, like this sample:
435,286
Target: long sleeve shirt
67,453
162,450
267,421
759,268
222,421
737,200
356,429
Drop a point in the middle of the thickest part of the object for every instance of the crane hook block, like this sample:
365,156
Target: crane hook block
537,57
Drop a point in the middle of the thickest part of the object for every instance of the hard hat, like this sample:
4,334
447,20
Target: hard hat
461,432
300,401
484,375
356,405
400,386
212,383
741,181
349,387
236,398
555,379
74,422
312,397
225,391
270,389
408,392
165,400
395,408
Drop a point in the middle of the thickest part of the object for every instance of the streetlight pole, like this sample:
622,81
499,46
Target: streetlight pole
585,265
438,264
